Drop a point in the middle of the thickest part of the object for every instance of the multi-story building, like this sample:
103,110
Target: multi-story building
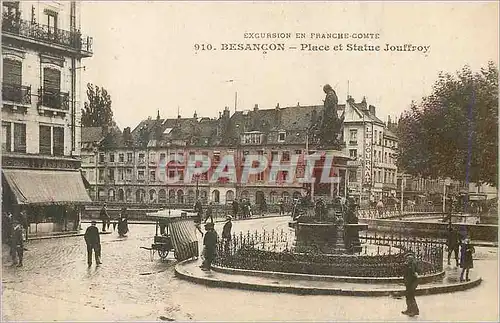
138,171
372,147
42,52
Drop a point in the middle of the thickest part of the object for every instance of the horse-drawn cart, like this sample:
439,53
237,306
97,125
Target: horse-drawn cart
174,231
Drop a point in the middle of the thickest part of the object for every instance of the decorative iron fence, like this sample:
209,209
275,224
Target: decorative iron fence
53,99
394,212
16,93
47,34
381,256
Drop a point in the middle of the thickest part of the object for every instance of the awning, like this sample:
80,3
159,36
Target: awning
31,186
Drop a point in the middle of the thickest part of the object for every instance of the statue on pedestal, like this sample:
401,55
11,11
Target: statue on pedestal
331,125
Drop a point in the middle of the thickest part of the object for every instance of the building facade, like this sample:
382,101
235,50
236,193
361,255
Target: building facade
372,146
134,170
42,52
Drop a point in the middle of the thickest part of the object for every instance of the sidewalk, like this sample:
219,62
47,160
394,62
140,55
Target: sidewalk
217,220
54,235
287,283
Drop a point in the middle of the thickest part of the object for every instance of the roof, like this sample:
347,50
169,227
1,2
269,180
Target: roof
390,134
31,186
92,134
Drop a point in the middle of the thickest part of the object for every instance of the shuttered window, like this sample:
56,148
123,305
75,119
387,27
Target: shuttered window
51,79
6,137
19,137
58,141
12,71
45,140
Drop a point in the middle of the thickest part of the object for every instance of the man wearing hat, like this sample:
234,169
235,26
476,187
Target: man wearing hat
226,233
411,283
17,245
210,246
93,242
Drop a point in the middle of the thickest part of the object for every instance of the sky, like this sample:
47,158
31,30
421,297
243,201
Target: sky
144,53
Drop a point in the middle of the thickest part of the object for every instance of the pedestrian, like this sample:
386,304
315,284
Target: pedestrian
411,283
209,213
210,247
380,208
226,233
104,216
23,220
197,222
466,259
93,241
281,206
17,245
453,244
235,208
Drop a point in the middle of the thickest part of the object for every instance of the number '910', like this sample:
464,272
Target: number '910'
203,47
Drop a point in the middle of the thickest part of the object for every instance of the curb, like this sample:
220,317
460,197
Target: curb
319,291
55,236
325,278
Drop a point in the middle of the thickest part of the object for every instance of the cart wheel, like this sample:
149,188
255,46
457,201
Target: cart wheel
163,253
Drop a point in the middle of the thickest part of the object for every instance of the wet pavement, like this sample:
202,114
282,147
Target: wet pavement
55,284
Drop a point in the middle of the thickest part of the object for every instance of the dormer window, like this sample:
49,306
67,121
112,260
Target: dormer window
281,136
252,138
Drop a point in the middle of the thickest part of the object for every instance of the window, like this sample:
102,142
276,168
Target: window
12,78
274,155
128,174
6,137
51,21
152,176
101,174
379,156
245,152
353,136
216,157
111,174
286,156
121,158
101,157
281,136
51,88
19,137
385,157
121,174
353,176
171,173
260,176
45,139
140,175
129,157
141,158
58,141
260,152
152,158
112,157
298,152
353,153
162,158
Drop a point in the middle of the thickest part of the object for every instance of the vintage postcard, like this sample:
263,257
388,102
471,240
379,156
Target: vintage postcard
249,161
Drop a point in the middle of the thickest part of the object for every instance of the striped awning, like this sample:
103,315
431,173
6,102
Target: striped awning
183,233
33,186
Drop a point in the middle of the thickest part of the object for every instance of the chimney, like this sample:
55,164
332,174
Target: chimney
277,106
220,114
195,115
256,107
388,120
158,115
226,113
350,99
372,110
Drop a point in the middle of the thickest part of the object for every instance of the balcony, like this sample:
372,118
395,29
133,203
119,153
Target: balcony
17,94
53,100
72,40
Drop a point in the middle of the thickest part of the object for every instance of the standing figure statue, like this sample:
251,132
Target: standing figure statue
331,126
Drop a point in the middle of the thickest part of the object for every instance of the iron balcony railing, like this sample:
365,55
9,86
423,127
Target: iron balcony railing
47,34
16,93
53,99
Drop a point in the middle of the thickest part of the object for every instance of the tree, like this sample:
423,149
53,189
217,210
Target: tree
454,131
97,111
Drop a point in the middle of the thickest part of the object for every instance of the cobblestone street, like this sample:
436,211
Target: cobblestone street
55,284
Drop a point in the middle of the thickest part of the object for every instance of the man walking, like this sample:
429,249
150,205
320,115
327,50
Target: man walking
453,244
235,208
411,283
226,233
17,245
209,213
105,218
93,242
210,246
